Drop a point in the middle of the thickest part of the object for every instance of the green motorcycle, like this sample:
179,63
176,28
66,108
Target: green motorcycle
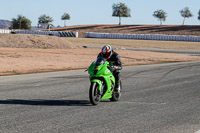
102,82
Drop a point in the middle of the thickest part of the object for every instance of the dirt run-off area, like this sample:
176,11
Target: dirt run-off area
21,54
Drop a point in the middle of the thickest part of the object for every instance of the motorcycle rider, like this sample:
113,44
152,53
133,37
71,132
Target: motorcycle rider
112,57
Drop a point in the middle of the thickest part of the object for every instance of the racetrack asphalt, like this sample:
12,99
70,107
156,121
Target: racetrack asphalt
155,99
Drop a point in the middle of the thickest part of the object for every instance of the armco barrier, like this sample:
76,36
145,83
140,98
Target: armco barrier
143,36
37,32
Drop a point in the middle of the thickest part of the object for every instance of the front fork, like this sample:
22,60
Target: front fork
100,84
108,92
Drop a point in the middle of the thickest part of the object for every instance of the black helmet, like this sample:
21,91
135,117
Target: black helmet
107,51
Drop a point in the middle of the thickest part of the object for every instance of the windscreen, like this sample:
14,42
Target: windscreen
99,61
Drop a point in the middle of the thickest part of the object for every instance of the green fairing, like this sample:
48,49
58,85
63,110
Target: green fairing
102,72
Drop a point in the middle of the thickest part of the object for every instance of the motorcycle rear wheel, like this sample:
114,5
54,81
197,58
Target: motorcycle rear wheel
94,93
116,95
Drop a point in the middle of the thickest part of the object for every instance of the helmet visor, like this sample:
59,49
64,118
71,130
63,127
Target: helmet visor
106,55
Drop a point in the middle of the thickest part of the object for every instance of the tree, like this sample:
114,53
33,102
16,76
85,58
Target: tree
199,15
21,22
121,10
185,13
44,19
65,17
160,15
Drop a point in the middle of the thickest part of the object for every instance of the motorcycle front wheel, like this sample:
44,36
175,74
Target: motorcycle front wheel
94,93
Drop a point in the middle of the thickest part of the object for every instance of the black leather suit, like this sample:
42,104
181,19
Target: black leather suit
116,61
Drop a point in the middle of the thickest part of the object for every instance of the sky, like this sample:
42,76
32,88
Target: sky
85,12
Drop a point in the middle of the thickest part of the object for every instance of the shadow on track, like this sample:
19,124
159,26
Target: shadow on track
39,102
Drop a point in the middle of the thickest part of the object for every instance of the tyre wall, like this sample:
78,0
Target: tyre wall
144,36
37,32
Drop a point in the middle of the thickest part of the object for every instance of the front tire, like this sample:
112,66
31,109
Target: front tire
94,93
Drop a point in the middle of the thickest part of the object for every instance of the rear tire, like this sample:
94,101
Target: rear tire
116,95
94,93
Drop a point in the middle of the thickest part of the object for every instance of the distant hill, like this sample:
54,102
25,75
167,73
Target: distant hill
5,24
135,29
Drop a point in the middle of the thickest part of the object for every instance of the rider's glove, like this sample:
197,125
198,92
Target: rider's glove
116,67
112,68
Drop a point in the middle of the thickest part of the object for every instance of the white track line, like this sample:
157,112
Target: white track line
143,103
198,131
